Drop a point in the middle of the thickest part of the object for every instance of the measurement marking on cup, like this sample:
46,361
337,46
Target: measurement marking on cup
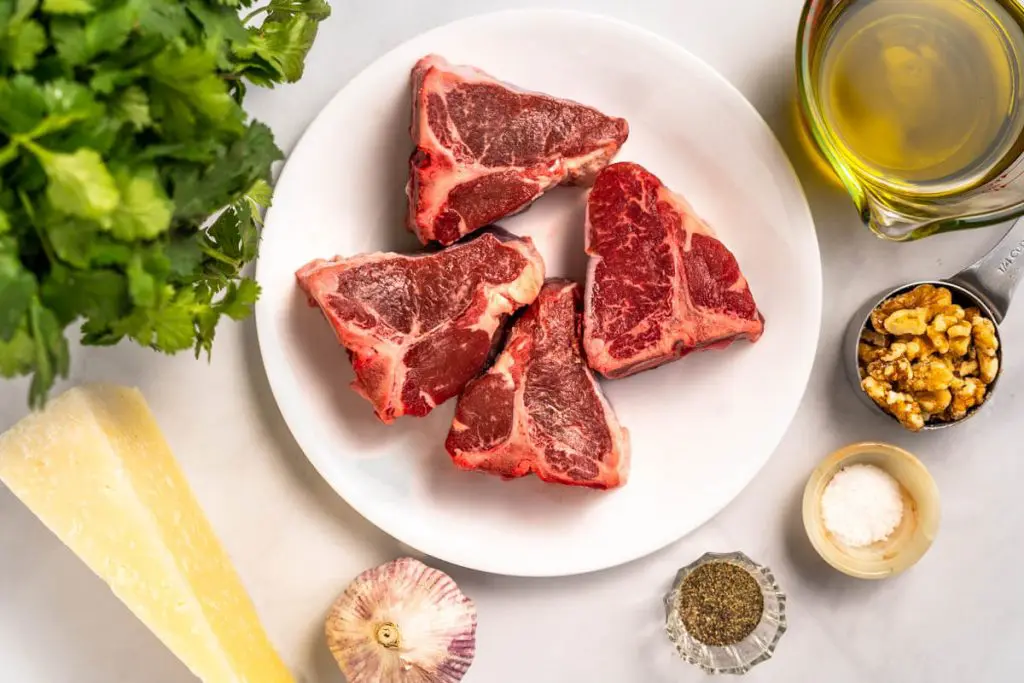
1005,264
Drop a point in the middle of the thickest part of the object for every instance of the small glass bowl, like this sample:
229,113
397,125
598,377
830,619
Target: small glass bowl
740,657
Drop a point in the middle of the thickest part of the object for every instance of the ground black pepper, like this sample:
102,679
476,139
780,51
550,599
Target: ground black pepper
720,603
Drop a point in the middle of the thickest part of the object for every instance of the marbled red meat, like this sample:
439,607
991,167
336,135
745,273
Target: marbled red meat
539,408
418,327
660,284
485,149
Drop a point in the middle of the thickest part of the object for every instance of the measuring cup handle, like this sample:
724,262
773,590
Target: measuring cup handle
994,278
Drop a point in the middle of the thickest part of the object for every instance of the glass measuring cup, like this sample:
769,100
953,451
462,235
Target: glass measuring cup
889,213
988,284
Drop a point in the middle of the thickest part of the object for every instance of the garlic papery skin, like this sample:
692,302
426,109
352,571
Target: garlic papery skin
402,622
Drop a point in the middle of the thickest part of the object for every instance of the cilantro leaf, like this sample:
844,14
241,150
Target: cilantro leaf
99,295
22,104
166,19
144,210
66,102
14,13
52,357
258,199
78,42
198,194
218,21
225,235
22,10
68,35
315,9
79,183
238,300
108,30
184,256
277,49
17,289
68,6
23,43
141,284
133,106
167,327
72,239
235,234
17,354
187,91
108,81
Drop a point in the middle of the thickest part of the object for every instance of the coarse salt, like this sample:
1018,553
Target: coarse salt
862,505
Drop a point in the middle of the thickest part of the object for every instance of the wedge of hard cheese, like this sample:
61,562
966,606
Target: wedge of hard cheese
94,467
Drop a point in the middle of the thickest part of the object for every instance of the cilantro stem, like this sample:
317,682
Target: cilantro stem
8,152
43,239
255,13
30,145
217,256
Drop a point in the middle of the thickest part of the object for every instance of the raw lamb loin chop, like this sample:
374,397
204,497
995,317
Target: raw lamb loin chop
486,149
660,285
539,408
417,328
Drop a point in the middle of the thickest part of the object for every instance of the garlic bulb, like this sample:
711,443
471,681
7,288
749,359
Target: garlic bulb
403,622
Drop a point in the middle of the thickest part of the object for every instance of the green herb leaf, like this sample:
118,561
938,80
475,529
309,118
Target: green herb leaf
133,106
235,235
238,300
80,183
218,21
315,9
66,102
68,6
51,352
258,199
72,239
99,295
184,256
141,284
144,210
168,327
68,35
23,9
106,82
79,42
166,19
187,89
108,30
17,289
197,193
23,43
22,104
17,355
284,39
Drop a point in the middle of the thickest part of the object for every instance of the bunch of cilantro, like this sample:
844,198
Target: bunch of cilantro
121,135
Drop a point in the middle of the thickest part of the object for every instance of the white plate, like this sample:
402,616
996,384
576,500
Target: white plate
701,427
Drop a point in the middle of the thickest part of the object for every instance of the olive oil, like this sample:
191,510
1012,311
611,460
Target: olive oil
921,97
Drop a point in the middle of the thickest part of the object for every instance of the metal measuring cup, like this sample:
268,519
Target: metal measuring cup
988,284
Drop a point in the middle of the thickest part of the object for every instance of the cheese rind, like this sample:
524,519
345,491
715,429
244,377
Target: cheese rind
95,468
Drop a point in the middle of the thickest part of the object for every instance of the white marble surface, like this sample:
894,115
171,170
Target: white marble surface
958,615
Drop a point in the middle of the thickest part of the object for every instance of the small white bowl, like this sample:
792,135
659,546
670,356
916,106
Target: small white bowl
911,539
